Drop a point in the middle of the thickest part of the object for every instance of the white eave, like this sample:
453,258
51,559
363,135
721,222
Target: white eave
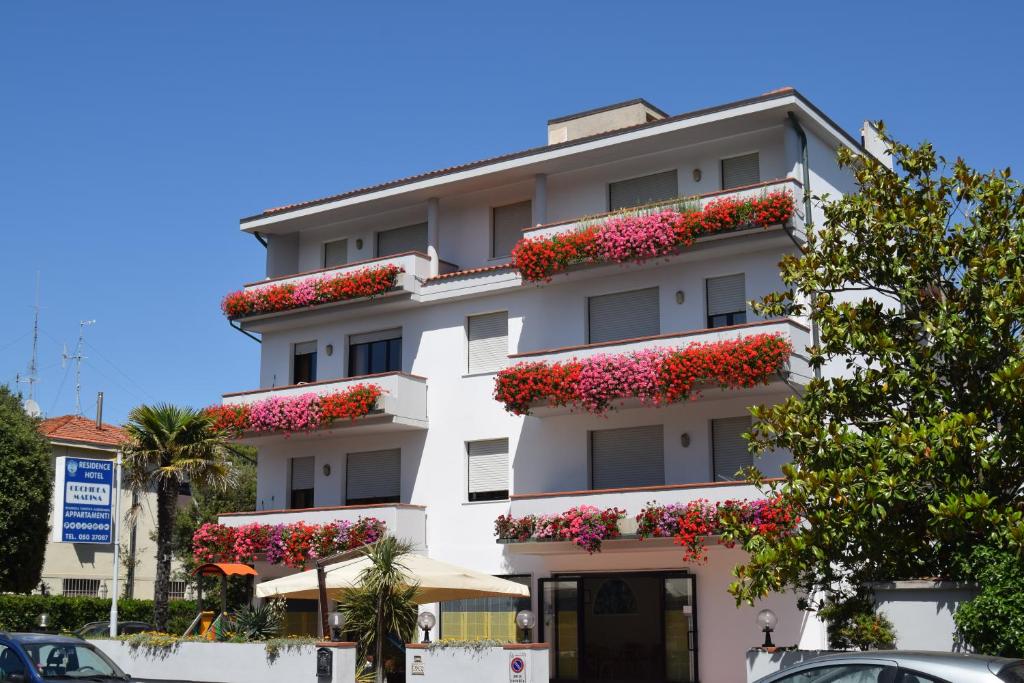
644,139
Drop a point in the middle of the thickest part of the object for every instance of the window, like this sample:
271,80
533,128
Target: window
374,352
335,253
507,223
177,590
483,618
373,477
399,240
10,664
302,482
727,300
623,315
740,171
70,661
644,190
89,588
304,363
728,447
488,342
488,469
842,673
632,456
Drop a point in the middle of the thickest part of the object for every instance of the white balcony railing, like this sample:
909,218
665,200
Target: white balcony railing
408,522
797,372
632,500
402,405
751,191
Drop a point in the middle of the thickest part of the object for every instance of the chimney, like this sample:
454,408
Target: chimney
602,120
99,410
873,143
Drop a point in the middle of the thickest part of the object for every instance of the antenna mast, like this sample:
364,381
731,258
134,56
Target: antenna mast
77,357
32,379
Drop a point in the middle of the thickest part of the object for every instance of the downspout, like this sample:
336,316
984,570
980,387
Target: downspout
247,334
815,333
260,238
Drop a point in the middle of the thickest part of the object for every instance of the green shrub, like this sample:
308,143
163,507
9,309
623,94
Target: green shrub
993,622
853,623
19,612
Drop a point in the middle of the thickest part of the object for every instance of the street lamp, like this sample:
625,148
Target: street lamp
426,621
43,621
767,620
336,620
526,620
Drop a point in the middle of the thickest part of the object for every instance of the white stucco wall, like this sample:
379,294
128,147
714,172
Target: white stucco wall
487,665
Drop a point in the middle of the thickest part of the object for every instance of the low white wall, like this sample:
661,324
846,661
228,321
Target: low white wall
922,612
228,662
486,665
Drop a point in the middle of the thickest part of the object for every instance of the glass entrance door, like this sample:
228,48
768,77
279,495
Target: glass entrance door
637,627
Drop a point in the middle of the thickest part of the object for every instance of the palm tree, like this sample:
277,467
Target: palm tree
383,602
167,445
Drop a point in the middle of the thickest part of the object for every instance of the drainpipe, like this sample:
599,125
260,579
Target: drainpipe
260,238
247,334
433,216
815,333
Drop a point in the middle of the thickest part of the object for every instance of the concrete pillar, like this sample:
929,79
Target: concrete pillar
540,199
433,214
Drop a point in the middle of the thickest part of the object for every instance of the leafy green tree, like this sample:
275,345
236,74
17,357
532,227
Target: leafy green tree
993,622
26,481
166,446
383,602
916,456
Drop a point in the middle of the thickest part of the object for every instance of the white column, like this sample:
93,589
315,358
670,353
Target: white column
540,199
433,212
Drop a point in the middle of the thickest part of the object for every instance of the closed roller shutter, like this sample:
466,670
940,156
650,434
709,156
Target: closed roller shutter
740,171
633,456
644,190
729,448
507,223
488,342
727,294
374,477
409,238
488,469
335,253
623,315
302,473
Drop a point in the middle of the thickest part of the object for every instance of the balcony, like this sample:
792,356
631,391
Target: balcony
796,373
415,269
402,406
632,500
407,522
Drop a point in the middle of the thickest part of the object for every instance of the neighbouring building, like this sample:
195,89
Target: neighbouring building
86,569
438,459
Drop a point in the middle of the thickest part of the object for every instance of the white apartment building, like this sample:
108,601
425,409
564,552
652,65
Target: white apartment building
441,459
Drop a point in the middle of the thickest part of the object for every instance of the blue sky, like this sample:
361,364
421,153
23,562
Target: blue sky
134,135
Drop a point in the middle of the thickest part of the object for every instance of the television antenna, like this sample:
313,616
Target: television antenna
77,357
33,377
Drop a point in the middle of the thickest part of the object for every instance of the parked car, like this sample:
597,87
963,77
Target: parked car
42,657
102,628
896,666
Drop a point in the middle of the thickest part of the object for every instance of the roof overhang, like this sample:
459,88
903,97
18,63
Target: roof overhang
694,127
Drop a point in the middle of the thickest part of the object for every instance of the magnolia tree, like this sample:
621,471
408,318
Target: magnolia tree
915,456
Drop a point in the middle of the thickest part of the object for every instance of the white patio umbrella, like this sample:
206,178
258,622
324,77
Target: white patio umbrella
438,581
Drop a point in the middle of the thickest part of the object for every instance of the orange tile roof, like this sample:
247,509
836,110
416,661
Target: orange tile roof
82,430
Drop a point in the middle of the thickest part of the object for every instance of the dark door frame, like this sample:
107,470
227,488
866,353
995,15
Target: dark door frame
580,631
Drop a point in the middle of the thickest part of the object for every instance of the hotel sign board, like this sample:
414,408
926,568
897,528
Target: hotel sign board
83,500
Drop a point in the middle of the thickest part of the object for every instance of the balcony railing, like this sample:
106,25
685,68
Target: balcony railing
632,500
408,522
796,373
402,405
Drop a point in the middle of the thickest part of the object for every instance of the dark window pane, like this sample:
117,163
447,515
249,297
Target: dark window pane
302,498
358,359
370,358
488,495
304,369
395,355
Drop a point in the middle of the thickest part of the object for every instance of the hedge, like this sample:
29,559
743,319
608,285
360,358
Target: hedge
19,612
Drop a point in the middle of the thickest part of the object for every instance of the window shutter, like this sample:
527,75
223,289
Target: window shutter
507,226
381,335
624,315
302,473
740,171
644,190
335,253
488,465
374,475
409,238
488,342
729,448
727,294
634,456
303,348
